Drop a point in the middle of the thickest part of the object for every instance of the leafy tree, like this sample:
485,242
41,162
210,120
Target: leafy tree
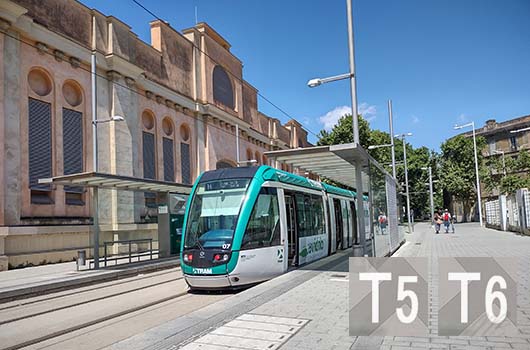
458,169
416,159
342,132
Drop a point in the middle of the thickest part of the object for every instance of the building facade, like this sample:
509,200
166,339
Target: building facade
181,97
503,139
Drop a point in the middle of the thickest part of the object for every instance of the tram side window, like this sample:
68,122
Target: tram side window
302,215
310,215
263,229
318,215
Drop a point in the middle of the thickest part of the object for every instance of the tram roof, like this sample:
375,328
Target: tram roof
334,162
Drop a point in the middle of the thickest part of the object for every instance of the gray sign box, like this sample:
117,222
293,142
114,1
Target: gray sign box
478,323
361,294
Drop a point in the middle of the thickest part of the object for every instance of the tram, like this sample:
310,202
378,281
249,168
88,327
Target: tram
249,224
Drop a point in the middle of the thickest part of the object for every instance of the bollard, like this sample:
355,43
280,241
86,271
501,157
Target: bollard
81,258
357,250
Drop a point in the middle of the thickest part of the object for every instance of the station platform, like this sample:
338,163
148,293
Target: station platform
307,308
36,280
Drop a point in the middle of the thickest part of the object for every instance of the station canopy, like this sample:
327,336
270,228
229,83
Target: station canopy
117,182
334,162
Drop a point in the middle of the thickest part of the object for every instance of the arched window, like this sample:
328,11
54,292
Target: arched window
148,145
149,154
257,157
185,153
168,149
249,154
40,134
73,139
222,87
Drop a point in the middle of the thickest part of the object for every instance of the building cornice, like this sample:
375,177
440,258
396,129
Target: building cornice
11,11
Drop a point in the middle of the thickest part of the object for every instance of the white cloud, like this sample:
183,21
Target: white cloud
415,119
369,112
330,119
462,118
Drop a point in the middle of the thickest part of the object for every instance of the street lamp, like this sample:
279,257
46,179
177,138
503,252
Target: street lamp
114,118
472,124
519,130
393,157
95,122
355,117
431,192
319,81
402,137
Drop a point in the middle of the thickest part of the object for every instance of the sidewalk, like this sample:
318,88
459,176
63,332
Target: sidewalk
316,298
21,283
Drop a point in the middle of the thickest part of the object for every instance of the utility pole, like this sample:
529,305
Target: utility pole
431,195
94,111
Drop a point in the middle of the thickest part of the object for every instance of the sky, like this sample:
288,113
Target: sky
441,62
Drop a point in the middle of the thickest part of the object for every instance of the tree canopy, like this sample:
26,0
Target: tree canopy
417,158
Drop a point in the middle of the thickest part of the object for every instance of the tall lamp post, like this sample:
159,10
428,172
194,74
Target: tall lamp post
391,144
355,117
95,122
402,137
479,203
430,192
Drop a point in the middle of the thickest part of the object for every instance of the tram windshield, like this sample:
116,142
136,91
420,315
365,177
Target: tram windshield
213,213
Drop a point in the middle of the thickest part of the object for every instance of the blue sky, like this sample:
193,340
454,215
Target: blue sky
441,62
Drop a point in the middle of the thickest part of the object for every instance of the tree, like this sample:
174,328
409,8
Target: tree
416,158
458,169
342,132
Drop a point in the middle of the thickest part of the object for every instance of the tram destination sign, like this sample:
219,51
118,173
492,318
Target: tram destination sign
473,297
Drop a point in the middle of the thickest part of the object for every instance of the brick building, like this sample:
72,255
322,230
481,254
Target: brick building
181,97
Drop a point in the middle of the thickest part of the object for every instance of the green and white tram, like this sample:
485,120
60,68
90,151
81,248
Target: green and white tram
246,225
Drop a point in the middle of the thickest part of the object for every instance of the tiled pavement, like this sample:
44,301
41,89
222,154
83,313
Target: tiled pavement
324,298
319,293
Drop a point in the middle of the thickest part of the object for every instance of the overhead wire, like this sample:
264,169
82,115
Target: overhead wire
98,75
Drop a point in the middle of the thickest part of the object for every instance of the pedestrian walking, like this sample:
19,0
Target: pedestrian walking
446,220
437,221
382,222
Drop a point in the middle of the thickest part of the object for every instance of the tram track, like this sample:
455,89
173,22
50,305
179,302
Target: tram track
86,289
91,323
42,319
85,302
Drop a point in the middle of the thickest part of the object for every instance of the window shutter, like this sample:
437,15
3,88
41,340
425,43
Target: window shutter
169,162
222,87
149,155
72,145
185,162
40,143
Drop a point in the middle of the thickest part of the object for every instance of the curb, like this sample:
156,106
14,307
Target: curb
106,275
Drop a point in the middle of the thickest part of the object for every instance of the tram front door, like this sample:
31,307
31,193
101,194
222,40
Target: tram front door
291,231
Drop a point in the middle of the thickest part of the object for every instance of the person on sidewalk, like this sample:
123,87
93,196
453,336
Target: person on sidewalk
382,222
453,220
437,221
447,220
